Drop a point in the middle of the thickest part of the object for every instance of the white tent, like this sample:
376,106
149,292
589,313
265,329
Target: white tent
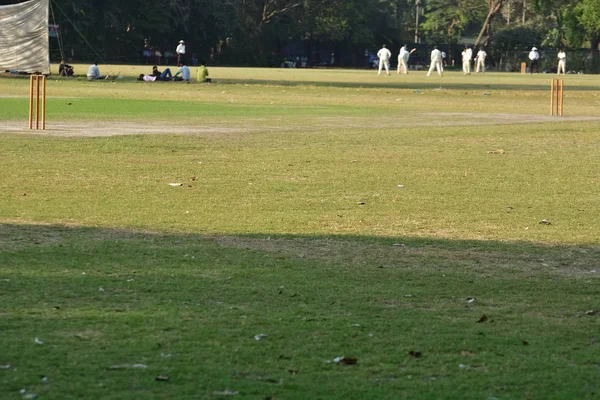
24,37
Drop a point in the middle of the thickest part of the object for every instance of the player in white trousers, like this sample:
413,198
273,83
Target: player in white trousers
562,62
480,60
436,61
467,55
403,57
384,59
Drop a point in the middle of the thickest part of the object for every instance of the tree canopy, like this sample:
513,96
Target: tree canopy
252,32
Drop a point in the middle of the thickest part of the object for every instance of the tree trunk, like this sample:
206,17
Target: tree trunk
494,6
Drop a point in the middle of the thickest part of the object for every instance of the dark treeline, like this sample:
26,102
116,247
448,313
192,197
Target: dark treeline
263,32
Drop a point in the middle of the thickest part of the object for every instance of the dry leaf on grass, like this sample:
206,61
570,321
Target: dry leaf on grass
483,318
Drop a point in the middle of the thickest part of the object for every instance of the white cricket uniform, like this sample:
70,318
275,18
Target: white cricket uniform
403,60
467,55
436,62
562,62
481,55
384,60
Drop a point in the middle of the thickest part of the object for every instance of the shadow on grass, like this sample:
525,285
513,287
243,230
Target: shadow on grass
426,83
265,315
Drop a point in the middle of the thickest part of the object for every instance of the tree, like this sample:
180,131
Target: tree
493,7
447,20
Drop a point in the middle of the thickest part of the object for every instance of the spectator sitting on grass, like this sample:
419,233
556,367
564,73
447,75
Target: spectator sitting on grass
65,69
94,72
202,73
184,71
165,75
147,78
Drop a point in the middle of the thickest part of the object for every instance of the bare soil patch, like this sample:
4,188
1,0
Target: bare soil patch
103,128
433,119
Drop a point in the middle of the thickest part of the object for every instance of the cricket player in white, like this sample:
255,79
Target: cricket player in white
436,61
403,59
480,60
467,55
562,62
384,59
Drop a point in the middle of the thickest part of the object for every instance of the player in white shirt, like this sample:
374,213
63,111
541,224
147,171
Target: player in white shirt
384,59
180,51
403,57
562,62
436,61
480,60
534,56
467,55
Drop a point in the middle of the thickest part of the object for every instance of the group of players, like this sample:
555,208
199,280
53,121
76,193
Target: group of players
437,60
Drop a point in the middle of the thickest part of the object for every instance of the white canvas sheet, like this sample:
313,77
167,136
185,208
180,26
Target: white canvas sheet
24,37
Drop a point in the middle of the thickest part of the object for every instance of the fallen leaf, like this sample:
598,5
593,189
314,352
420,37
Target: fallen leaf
162,378
415,354
483,318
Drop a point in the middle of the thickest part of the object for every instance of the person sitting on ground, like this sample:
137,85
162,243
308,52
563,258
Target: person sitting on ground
65,69
184,71
94,72
202,73
165,75
147,78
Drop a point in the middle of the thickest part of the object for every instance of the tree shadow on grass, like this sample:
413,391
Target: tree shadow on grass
427,83
111,309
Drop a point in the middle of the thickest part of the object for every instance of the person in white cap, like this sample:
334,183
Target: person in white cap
403,57
480,60
534,56
180,52
436,61
562,62
467,55
384,59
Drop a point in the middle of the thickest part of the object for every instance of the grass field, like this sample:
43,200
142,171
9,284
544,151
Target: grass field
231,240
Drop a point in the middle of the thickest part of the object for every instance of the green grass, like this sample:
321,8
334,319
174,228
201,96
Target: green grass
285,226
